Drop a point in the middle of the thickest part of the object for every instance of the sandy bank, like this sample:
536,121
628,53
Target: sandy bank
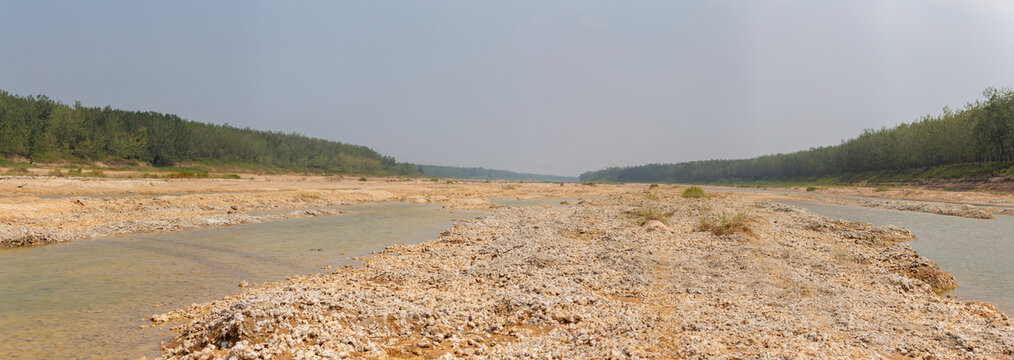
586,281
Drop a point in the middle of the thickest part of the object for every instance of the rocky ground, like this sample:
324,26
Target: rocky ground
603,278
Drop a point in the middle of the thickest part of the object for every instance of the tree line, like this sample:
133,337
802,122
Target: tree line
40,129
982,131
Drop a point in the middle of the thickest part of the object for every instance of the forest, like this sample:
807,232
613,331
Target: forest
42,130
982,132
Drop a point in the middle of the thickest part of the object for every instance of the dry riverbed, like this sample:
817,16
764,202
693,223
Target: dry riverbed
44,210
593,279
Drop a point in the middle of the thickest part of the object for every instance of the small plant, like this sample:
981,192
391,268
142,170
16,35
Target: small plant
434,179
723,224
950,189
811,188
694,192
448,182
652,186
230,176
94,173
509,187
652,213
651,196
881,189
588,184
363,179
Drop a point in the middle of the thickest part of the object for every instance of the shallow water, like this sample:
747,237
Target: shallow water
978,253
87,299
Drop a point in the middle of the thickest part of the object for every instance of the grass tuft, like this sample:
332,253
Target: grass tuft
724,224
694,192
652,213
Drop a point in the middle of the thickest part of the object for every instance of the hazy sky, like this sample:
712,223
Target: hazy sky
556,87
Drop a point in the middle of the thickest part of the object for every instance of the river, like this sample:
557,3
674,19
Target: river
89,299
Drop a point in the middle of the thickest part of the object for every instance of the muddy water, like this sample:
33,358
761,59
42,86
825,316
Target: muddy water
979,253
87,299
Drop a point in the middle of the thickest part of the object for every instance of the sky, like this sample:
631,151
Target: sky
551,87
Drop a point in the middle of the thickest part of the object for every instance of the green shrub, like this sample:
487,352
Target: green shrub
363,179
652,186
811,188
694,192
230,176
881,188
588,184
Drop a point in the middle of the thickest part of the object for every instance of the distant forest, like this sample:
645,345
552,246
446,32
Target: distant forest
40,129
982,132
480,173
